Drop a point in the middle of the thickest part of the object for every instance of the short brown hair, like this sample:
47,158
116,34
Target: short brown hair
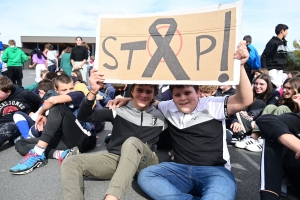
68,50
64,78
12,42
45,85
171,87
208,88
5,84
155,87
51,76
118,85
48,46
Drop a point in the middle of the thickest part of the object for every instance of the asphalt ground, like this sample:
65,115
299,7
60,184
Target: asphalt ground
45,183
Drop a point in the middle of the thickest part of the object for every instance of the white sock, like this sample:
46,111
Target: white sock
57,154
39,150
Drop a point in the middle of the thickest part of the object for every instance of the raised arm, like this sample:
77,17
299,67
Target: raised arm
244,95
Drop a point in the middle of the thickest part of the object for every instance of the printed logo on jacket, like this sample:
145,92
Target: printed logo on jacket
9,107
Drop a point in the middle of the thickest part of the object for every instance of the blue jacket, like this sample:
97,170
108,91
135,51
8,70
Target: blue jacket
254,59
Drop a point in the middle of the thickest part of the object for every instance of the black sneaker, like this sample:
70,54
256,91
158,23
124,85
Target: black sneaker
245,121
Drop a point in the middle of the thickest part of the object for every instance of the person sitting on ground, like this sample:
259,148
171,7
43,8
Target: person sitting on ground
121,90
62,136
13,99
264,94
281,152
77,73
91,126
293,74
285,105
26,122
50,76
135,131
35,84
164,93
107,92
224,90
197,129
207,90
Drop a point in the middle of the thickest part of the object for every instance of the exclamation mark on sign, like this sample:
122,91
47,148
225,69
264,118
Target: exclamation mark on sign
224,60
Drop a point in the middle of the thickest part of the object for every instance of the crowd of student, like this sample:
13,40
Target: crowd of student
59,115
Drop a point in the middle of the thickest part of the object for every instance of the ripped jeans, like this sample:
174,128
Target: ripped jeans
8,131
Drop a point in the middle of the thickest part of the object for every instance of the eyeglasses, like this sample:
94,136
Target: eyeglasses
290,88
287,88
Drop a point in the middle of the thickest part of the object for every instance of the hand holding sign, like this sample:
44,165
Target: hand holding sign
242,52
95,79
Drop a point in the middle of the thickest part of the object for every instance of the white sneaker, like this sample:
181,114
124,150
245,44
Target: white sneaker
256,147
244,142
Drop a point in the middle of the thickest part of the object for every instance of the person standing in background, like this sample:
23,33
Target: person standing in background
65,62
14,57
79,57
253,63
39,62
85,70
274,57
51,58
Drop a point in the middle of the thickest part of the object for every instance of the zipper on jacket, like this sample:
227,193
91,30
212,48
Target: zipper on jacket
141,123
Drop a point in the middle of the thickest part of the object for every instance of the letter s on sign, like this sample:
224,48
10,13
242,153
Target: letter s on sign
109,54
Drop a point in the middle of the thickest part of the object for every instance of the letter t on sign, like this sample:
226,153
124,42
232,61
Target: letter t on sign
131,46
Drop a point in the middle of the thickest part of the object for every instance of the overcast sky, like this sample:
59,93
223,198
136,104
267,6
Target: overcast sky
79,17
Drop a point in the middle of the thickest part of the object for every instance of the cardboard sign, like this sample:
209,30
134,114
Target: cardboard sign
194,47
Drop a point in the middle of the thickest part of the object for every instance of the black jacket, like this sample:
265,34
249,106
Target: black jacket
19,100
229,92
275,54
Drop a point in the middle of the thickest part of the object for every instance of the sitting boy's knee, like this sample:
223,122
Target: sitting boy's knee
130,141
69,162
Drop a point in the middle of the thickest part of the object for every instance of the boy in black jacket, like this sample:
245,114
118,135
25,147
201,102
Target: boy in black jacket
136,127
13,99
274,57
62,132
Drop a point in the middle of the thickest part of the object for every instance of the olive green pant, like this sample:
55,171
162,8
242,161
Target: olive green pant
135,156
272,109
275,110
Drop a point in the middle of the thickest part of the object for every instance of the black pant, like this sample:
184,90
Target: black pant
276,158
8,131
62,131
15,74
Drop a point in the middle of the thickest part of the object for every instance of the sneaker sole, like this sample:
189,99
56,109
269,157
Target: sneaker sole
72,152
240,147
37,165
257,150
241,122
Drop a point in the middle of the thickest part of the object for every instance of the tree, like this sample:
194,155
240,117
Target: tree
293,58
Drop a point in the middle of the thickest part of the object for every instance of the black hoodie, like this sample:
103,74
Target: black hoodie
19,100
275,54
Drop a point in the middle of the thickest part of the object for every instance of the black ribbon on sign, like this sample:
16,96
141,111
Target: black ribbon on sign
164,51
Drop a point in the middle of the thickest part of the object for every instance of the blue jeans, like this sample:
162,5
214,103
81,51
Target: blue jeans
174,181
52,68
